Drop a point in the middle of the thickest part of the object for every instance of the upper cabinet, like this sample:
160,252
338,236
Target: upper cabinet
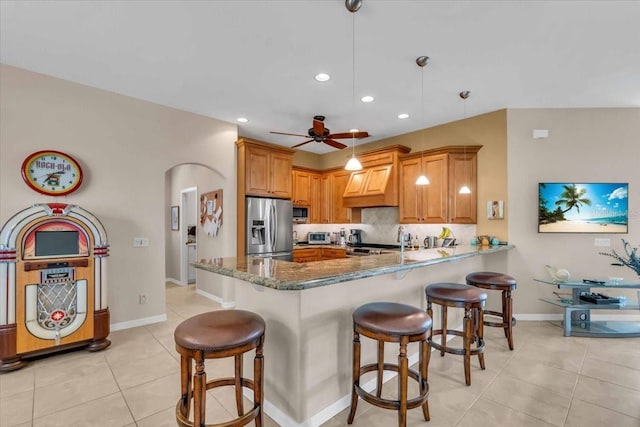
448,169
302,192
339,212
264,169
377,183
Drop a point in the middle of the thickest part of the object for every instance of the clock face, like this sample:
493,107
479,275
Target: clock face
52,172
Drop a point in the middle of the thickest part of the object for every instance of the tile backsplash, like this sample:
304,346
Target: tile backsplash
380,225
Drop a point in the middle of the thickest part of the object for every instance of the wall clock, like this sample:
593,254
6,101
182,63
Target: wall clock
52,172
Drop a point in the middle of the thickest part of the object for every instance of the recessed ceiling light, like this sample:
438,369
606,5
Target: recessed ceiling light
367,98
322,77
403,116
242,120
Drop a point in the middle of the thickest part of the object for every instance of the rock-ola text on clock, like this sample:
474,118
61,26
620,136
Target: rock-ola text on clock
52,165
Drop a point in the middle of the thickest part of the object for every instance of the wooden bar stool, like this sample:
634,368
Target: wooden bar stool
472,301
391,322
498,282
215,335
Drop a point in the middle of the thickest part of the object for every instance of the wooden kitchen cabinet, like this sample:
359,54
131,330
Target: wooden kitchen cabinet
332,253
318,254
263,170
339,213
326,194
306,192
463,208
439,202
316,208
301,188
266,169
306,255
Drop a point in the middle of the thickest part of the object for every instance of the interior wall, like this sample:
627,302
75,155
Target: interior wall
584,145
124,146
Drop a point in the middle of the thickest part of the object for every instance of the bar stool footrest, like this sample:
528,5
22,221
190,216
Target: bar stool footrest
221,382
456,350
243,420
389,403
497,324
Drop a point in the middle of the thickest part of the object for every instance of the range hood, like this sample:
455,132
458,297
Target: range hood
370,187
377,183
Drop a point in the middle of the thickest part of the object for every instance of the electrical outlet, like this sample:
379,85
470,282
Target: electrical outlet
140,242
142,299
602,242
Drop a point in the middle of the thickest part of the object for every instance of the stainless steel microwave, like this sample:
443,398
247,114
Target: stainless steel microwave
300,215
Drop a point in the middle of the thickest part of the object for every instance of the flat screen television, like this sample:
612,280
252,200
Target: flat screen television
591,207
57,243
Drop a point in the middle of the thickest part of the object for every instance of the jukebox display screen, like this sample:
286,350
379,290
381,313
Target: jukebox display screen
57,243
55,239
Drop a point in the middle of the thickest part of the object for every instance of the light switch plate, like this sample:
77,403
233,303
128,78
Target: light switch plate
140,242
602,242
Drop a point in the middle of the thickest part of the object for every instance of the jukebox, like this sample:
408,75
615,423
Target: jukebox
53,283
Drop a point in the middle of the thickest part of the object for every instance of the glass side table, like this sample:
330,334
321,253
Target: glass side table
577,313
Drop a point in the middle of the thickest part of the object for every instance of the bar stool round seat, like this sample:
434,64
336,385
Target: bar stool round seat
470,299
214,335
498,282
397,323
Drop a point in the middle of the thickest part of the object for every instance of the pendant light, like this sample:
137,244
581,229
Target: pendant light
465,188
353,6
422,61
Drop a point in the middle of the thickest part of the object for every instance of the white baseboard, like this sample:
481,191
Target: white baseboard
174,281
212,297
138,322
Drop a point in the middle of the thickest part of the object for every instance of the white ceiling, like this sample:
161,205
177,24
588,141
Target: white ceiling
257,59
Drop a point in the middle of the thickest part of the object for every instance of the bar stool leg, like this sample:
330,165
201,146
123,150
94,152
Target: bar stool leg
238,383
425,351
507,303
199,390
443,337
380,367
258,373
480,340
356,376
185,382
468,328
403,374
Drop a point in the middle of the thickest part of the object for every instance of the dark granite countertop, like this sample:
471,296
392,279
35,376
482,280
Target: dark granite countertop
288,276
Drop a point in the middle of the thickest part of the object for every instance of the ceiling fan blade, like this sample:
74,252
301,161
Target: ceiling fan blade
334,144
318,127
356,135
292,134
302,143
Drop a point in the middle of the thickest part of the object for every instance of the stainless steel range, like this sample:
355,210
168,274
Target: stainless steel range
365,249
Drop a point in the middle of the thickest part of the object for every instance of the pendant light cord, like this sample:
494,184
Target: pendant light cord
353,82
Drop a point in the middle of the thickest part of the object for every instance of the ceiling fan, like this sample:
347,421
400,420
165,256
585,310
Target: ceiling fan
319,133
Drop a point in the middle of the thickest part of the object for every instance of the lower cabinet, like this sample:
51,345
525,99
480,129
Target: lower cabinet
331,253
318,254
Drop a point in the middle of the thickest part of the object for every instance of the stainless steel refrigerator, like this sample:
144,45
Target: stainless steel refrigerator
269,228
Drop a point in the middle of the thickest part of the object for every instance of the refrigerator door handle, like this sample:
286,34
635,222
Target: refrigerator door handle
273,230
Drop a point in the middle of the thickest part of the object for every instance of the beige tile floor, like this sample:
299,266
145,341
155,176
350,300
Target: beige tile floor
548,380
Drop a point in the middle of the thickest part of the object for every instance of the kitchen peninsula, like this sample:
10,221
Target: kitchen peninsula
308,306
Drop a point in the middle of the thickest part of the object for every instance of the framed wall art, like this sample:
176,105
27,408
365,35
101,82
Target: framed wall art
175,218
591,207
